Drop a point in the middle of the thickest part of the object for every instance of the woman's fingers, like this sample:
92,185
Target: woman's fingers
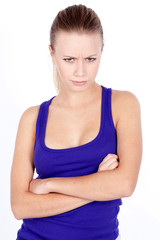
113,165
109,162
108,157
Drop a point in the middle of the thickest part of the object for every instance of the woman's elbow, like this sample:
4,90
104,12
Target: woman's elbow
16,211
17,206
129,188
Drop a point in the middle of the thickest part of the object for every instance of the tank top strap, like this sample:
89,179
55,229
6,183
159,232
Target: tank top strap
108,119
42,118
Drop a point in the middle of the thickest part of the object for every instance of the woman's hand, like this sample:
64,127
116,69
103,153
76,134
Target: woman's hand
39,186
110,162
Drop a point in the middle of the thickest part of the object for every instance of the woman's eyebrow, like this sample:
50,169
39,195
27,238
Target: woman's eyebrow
75,57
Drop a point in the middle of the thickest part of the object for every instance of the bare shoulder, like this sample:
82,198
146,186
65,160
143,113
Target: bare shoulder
124,98
124,104
30,114
26,134
27,122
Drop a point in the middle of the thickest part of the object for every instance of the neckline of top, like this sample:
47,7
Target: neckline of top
80,146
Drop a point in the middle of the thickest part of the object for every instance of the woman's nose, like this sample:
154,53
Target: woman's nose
80,69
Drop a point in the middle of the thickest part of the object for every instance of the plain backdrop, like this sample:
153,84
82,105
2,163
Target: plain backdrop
130,61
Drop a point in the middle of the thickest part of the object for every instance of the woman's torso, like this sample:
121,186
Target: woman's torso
73,126
98,219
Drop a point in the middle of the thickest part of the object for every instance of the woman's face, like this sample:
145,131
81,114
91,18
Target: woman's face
77,58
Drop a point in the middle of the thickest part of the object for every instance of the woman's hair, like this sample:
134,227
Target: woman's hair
77,18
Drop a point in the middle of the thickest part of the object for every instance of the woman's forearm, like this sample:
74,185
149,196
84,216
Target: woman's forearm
43,205
99,186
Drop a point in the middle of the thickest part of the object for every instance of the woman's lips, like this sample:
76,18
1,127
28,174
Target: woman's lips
79,83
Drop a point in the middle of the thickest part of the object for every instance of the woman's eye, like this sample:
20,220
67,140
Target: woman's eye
72,59
68,59
91,59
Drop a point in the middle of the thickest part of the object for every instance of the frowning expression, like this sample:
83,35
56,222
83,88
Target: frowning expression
77,57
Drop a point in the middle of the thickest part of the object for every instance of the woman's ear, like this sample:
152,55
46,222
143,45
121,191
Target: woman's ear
51,53
51,50
102,47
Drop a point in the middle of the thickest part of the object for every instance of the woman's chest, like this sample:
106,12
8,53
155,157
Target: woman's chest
72,128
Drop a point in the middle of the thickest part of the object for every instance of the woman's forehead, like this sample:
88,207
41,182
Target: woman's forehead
71,43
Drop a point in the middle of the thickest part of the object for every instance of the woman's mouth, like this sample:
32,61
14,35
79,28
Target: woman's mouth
77,83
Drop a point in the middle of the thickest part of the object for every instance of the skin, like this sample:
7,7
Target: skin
45,197
41,186
77,66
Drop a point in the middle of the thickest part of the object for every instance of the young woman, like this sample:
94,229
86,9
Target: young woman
85,143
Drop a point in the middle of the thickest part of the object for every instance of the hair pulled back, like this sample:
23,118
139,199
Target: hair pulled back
76,18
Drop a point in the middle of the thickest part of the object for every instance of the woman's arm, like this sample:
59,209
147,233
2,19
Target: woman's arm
25,204
30,205
120,182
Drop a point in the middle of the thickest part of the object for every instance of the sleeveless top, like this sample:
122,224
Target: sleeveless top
95,220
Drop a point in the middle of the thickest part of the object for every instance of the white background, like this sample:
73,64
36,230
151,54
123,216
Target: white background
130,61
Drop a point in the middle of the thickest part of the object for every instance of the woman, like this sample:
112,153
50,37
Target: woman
85,143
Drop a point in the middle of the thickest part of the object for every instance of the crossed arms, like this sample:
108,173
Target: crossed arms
58,195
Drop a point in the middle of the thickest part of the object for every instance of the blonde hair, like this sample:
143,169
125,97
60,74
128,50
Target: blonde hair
56,79
77,18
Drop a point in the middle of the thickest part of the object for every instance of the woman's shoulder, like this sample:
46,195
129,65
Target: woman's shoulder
124,103
31,112
29,117
122,98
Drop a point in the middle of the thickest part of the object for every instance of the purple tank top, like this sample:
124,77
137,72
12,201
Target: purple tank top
95,220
